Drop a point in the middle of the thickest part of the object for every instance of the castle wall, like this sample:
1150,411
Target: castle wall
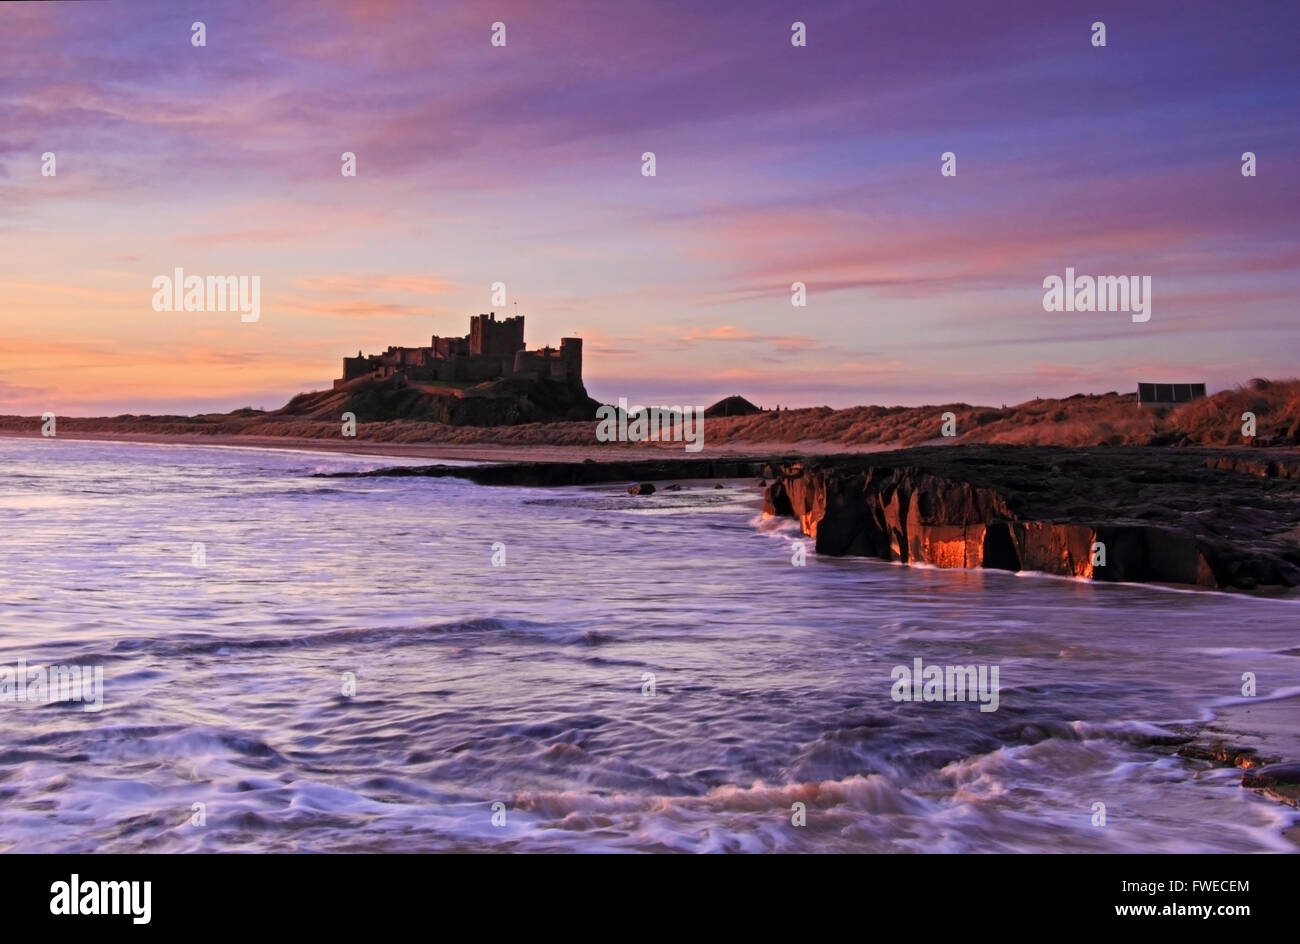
449,347
474,367
354,367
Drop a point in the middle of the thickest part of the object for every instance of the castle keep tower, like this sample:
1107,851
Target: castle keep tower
496,338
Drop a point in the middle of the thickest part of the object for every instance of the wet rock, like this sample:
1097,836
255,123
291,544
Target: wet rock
1279,781
645,488
546,474
1224,755
776,502
1177,516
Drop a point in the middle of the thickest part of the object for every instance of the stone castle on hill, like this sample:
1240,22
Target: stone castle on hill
492,350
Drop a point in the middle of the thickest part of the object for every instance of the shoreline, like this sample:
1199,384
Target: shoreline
483,452
1260,738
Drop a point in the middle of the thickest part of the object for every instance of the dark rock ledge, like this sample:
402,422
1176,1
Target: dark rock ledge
1193,517
552,474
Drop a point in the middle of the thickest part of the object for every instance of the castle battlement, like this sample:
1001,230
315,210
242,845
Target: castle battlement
493,350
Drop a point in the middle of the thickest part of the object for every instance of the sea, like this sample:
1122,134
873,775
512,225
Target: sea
279,661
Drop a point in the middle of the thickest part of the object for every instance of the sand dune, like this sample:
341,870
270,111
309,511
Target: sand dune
1109,419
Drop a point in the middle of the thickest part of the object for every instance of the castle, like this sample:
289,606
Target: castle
491,351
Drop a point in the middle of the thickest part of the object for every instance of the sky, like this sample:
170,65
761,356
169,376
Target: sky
774,164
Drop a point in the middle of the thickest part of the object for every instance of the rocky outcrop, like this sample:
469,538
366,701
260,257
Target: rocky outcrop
1268,467
1148,515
